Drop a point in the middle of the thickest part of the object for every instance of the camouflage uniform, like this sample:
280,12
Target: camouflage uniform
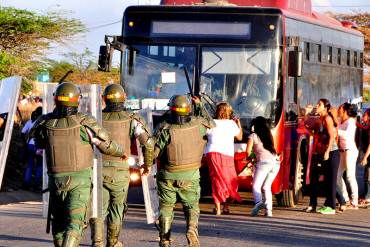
179,148
67,137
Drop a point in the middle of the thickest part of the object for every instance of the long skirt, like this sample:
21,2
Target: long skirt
223,177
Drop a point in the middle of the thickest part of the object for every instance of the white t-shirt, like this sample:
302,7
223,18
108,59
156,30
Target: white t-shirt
221,137
347,132
26,129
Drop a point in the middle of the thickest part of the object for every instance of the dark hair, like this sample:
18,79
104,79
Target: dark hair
36,114
262,129
350,109
327,106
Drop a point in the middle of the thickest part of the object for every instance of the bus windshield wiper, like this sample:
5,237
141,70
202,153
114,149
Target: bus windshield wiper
188,82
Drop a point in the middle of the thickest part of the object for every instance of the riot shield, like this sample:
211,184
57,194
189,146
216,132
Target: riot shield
9,93
47,90
90,103
149,182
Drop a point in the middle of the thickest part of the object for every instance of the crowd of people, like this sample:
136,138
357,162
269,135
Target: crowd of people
335,154
67,136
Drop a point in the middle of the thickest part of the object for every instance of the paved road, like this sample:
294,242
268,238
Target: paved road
21,225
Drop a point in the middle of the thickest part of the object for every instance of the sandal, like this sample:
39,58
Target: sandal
216,212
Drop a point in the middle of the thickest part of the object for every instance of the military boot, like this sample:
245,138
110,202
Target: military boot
165,231
97,232
71,239
192,229
113,234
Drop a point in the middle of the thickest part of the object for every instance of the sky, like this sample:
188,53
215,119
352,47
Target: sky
103,17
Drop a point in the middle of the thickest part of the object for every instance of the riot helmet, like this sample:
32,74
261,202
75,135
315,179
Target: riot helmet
66,98
180,108
67,94
114,97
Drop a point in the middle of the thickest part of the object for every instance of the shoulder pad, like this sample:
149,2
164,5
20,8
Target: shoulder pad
90,122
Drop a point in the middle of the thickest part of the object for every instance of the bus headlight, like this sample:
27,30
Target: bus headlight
134,177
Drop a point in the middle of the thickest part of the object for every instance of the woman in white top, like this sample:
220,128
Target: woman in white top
267,167
348,153
220,157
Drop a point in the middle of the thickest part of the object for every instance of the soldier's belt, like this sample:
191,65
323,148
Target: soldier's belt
182,167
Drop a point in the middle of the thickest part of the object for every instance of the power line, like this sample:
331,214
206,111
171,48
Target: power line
105,25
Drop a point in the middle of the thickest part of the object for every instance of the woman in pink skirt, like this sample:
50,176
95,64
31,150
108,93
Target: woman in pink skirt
220,157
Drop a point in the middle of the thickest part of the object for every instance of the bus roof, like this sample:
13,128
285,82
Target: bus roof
296,9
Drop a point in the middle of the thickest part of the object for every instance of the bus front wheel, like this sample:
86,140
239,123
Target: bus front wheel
291,197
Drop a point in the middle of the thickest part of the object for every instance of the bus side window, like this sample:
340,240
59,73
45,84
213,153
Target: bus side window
307,51
339,57
348,57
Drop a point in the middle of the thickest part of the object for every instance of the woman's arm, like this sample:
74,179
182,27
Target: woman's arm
239,137
329,125
249,147
364,159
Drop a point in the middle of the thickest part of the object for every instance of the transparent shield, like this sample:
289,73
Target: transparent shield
9,93
90,103
47,90
149,182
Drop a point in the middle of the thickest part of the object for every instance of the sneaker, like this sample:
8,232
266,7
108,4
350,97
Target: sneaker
310,209
259,205
268,213
327,210
319,209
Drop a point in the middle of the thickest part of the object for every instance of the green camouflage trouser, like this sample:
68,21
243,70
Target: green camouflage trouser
69,198
115,187
188,192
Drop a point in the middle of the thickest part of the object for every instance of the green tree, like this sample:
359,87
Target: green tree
26,35
84,69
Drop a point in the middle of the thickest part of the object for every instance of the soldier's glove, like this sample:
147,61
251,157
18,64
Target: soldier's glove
92,137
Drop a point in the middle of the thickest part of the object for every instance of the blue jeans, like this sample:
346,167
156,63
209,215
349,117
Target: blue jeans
34,162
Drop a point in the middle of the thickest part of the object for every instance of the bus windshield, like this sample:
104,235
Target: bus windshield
157,74
247,78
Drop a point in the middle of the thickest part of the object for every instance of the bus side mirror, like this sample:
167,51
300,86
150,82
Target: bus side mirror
295,63
105,58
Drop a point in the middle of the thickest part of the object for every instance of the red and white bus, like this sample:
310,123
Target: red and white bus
272,58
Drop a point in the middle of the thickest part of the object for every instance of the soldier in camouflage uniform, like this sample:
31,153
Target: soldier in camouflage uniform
68,137
179,146
123,126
